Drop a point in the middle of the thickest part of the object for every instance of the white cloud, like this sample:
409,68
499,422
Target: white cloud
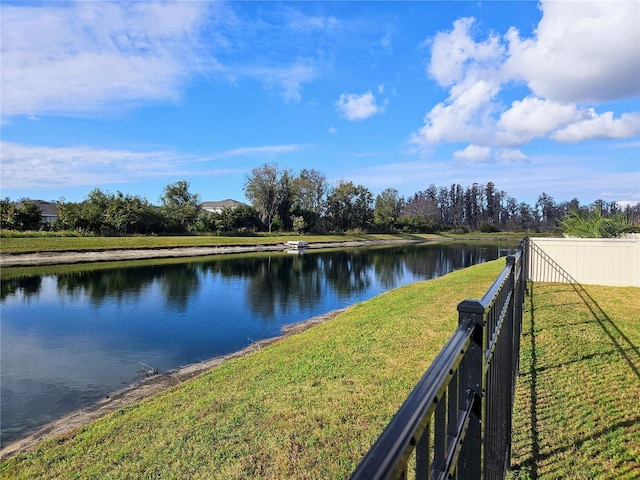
455,53
91,56
594,126
266,150
581,52
532,117
29,166
473,153
472,72
463,117
628,203
301,22
357,107
601,41
509,155
288,79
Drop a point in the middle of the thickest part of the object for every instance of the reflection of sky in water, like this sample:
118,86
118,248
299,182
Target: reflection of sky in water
72,339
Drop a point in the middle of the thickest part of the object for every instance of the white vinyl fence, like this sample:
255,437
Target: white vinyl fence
589,261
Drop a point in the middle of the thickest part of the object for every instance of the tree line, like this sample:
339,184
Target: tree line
285,201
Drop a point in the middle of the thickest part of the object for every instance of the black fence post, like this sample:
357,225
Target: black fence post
470,464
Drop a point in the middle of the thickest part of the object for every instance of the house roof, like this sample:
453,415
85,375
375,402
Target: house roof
48,209
221,204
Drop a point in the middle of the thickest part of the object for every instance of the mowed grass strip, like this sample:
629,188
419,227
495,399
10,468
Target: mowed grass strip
308,406
13,245
577,408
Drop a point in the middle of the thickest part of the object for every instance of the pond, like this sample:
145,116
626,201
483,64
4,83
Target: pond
71,338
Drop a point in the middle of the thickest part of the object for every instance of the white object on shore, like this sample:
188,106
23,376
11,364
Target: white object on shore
297,244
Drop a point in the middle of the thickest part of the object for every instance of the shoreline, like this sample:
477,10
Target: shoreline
149,387
92,256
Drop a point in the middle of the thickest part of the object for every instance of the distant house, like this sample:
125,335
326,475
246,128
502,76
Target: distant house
48,210
216,207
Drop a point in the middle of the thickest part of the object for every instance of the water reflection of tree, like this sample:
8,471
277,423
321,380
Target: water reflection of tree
269,286
347,271
431,261
427,262
275,283
282,282
179,282
389,266
25,286
114,284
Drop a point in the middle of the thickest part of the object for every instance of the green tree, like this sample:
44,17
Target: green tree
349,207
7,213
28,216
510,214
128,214
526,217
547,211
311,189
69,215
494,204
286,196
93,213
474,210
456,197
239,219
180,208
388,208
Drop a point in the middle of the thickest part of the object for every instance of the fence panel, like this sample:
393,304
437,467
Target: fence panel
589,261
457,420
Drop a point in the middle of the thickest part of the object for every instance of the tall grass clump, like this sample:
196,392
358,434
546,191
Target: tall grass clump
593,224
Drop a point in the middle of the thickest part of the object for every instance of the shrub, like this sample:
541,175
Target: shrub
486,227
460,230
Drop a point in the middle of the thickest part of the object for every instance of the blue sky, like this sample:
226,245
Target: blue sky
132,96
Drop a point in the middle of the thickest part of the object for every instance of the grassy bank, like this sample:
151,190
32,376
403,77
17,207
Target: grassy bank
60,244
50,243
306,407
577,413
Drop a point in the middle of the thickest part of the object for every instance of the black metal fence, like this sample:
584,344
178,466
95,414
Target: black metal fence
457,420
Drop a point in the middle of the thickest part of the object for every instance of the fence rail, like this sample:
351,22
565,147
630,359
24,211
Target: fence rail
456,422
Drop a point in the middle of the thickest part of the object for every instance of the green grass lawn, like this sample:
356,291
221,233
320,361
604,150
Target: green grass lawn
308,406
577,409
9,244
